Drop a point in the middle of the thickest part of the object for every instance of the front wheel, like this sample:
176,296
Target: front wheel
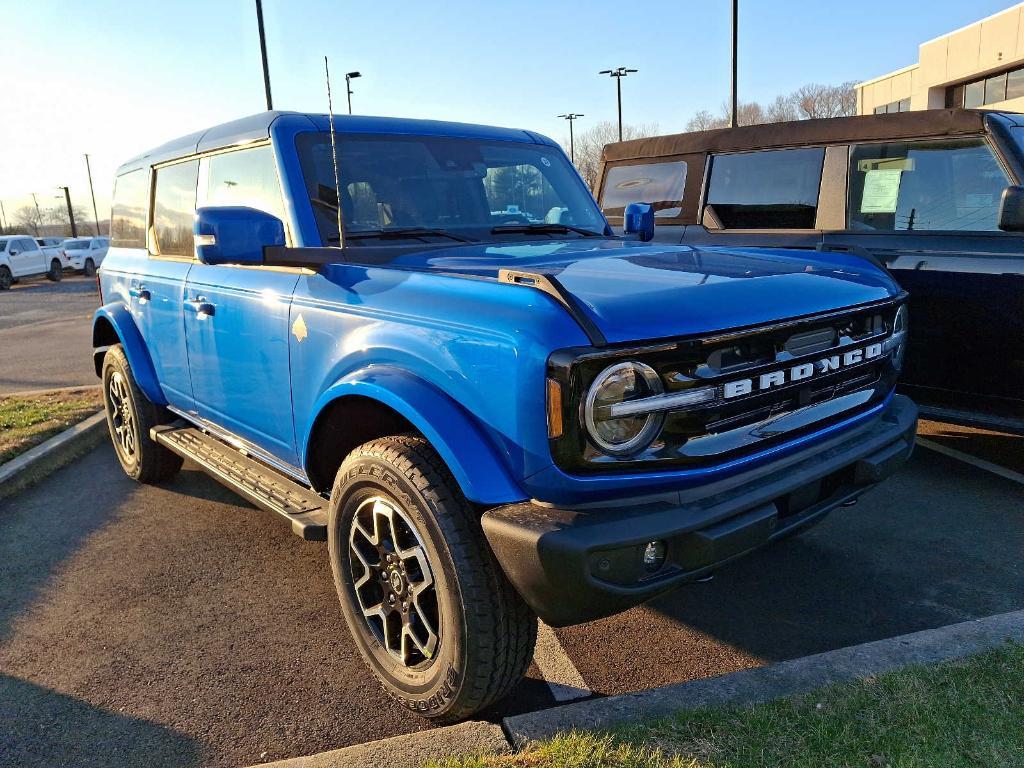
56,271
430,610
6,277
90,268
130,416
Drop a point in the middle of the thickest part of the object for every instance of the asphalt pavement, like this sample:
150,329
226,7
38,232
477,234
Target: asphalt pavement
177,626
46,334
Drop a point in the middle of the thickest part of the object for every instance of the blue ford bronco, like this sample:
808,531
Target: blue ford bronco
491,407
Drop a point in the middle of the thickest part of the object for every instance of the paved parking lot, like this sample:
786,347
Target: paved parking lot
176,626
46,334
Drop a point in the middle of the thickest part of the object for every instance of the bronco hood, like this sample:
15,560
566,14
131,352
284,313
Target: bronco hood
636,291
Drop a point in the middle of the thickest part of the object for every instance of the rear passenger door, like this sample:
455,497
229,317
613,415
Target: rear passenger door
237,317
928,209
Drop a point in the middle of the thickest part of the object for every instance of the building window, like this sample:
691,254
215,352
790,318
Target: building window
993,89
903,105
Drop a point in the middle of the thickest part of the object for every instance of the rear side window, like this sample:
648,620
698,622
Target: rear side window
174,206
925,185
777,189
246,177
660,184
128,212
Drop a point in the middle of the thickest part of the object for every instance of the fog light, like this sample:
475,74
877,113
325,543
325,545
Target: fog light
654,555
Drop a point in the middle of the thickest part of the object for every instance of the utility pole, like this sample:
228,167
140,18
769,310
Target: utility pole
263,53
3,216
349,77
734,112
71,213
618,73
571,117
95,214
39,215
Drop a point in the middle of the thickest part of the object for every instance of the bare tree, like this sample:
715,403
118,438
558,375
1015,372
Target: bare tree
57,216
816,100
812,100
27,219
590,144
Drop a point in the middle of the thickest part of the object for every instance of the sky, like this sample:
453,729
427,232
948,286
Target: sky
113,78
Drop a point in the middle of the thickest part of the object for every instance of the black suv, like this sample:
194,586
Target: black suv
932,195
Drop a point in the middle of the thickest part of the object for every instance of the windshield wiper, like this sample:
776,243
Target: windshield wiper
399,233
555,229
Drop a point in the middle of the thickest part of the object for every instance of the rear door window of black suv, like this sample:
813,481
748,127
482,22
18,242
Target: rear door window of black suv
948,185
660,184
774,189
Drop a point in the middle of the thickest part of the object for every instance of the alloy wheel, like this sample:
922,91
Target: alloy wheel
393,582
121,415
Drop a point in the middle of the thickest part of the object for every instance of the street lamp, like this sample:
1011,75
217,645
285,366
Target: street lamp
618,73
572,144
349,77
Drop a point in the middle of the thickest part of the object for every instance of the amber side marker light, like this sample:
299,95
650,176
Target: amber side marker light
554,408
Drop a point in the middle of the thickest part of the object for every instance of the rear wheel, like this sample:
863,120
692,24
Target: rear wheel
431,612
90,268
130,416
6,278
56,271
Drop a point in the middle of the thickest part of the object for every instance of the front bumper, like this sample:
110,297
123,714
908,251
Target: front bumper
573,565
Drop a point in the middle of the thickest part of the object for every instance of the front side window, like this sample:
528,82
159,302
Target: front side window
659,184
128,211
465,187
174,206
776,189
247,177
925,185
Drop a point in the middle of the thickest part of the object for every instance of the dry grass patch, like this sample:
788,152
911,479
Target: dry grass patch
27,421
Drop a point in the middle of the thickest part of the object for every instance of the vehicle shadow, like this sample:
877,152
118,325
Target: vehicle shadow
43,728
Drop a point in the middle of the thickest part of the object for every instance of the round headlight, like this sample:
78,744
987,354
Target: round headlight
622,383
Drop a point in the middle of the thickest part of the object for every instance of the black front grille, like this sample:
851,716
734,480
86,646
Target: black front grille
731,426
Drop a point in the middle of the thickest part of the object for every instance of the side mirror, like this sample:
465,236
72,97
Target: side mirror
235,234
1011,210
639,220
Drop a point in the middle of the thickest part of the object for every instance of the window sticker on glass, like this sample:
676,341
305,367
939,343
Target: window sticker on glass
881,190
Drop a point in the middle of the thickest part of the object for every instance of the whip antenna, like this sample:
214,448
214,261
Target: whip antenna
334,152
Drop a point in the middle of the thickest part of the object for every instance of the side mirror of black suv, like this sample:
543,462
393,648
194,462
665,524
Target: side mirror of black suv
1011,210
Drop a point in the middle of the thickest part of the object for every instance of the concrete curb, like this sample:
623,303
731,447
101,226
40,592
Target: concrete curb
409,751
754,686
36,463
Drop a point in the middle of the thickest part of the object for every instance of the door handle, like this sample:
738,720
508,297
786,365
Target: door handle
201,307
141,293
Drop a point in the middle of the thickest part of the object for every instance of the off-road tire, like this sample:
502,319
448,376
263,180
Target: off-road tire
6,278
56,272
487,632
147,461
89,270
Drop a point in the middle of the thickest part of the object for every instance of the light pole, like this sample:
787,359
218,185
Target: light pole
349,77
571,117
71,213
95,213
734,114
618,73
263,53
3,217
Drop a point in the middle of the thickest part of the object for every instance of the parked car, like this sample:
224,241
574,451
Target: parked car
919,192
85,254
53,248
21,256
488,420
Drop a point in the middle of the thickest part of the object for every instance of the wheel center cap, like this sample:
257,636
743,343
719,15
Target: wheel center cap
397,583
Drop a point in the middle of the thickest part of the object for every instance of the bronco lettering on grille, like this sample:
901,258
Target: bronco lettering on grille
802,371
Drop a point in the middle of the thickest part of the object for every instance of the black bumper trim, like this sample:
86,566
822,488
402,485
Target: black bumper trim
576,565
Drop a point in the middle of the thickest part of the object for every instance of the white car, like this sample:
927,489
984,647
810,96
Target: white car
21,256
53,246
86,253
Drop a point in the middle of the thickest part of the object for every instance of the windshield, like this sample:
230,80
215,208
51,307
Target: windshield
76,245
460,188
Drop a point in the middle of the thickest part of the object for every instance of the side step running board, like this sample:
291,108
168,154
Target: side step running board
255,482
